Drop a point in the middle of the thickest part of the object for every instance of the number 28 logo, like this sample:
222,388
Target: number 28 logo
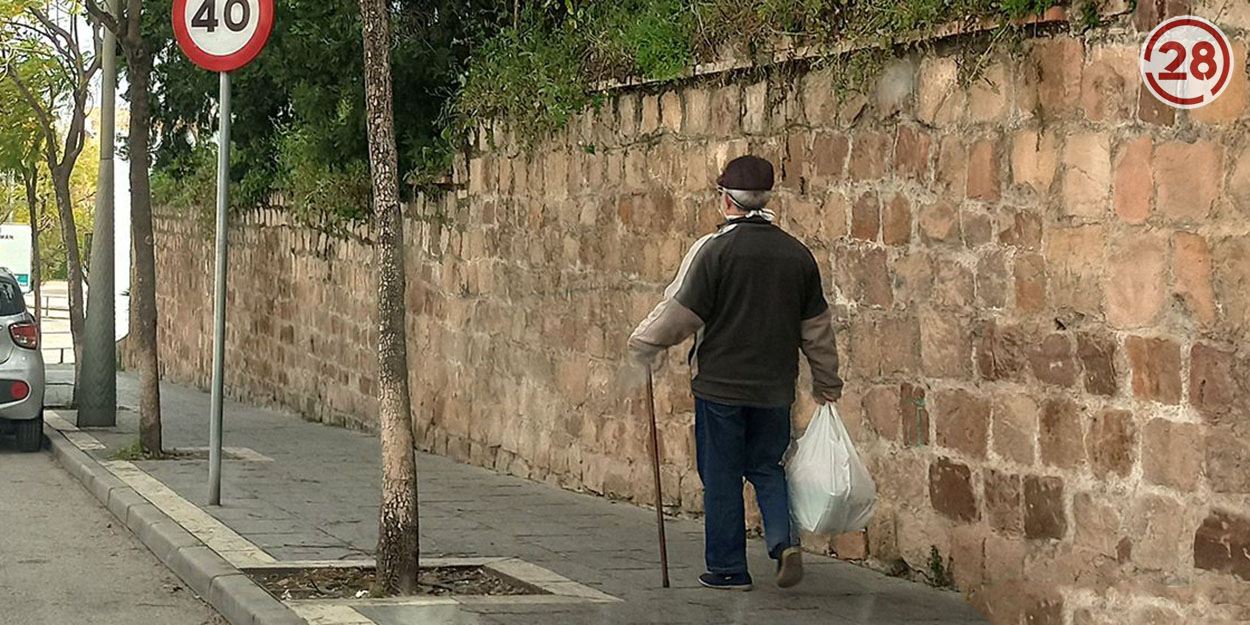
1186,62
222,35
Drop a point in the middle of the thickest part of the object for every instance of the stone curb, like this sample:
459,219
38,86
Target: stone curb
233,594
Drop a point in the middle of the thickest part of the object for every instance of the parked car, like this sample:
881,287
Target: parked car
21,367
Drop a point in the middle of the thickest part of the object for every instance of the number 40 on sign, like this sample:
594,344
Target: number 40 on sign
206,15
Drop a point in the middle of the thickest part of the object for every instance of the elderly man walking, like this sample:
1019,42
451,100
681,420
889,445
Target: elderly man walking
751,294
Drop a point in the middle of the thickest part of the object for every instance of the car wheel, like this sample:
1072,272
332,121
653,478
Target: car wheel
30,434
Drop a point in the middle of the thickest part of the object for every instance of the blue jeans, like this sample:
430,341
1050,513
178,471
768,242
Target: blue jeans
736,442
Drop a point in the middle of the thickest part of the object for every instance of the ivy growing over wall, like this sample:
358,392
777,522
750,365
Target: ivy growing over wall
536,76
299,109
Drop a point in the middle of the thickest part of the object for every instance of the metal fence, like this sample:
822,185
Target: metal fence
57,355
53,309
53,313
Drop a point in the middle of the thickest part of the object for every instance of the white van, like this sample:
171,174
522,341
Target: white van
15,253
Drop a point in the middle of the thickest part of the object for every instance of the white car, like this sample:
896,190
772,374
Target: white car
21,367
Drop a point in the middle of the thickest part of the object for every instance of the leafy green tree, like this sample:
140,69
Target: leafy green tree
299,114
51,63
20,146
22,161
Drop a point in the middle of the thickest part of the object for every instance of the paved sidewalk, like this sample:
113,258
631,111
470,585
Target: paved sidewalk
314,495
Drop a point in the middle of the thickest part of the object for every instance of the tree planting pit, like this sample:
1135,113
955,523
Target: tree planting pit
356,582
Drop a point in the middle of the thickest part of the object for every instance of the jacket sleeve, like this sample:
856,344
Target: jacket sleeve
821,349
818,341
671,322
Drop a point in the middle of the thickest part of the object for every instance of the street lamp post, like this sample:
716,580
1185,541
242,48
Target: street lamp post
98,403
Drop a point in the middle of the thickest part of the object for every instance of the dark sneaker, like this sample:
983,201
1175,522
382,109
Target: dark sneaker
737,581
790,567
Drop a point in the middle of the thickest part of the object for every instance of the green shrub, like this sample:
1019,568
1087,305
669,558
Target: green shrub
658,36
319,191
535,77
525,76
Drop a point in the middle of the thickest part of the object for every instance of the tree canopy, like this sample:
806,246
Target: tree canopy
299,117
20,136
44,52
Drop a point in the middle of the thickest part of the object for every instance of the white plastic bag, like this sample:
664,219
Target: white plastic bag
830,489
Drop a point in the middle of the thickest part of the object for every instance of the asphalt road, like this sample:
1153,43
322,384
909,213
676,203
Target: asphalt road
65,560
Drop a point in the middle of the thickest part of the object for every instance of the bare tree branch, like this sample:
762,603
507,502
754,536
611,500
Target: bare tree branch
75,137
89,72
103,17
51,37
134,23
60,55
69,56
73,29
15,24
97,40
60,31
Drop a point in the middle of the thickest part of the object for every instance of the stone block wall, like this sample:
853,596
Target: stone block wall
299,321
1039,286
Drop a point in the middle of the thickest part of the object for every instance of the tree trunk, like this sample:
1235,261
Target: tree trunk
31,177
143,287
398,538
73,262
8,194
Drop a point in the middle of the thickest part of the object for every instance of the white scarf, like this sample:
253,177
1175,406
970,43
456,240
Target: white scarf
768,215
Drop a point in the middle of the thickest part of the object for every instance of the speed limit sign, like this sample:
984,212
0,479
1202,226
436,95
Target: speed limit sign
222,35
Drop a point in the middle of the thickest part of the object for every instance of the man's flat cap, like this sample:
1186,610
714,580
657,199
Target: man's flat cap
747,173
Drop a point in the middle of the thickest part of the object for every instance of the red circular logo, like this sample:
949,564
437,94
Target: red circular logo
1186,62
222,35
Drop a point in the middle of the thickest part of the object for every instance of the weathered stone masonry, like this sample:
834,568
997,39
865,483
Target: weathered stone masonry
1042,284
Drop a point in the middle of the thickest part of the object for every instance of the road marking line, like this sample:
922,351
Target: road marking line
234,453
236,549
329,614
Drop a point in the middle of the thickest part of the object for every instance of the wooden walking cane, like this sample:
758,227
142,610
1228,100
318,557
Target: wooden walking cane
655,469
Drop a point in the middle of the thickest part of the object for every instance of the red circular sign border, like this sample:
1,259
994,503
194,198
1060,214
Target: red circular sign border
1211,29
229,62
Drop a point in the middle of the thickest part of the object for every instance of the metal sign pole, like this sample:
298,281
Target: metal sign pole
219,294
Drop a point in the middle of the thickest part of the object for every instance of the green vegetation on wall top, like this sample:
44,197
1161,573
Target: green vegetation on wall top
299,109
536,76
